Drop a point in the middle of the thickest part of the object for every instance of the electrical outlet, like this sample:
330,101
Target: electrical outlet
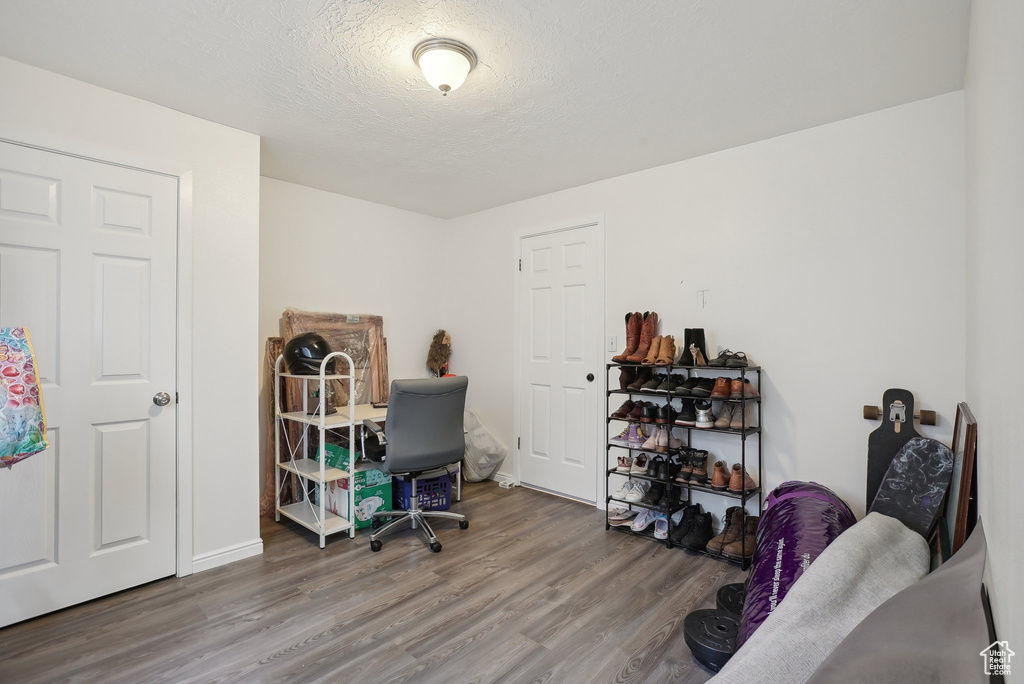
613,344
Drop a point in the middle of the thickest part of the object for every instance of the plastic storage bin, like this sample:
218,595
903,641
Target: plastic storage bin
432,493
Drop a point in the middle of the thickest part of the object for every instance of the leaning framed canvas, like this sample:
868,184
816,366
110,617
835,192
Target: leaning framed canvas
958,502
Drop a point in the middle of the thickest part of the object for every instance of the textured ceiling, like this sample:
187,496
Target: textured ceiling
566,92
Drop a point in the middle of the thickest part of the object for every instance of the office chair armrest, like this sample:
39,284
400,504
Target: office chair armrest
376,430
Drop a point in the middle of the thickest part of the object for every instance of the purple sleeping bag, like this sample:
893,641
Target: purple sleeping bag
799,520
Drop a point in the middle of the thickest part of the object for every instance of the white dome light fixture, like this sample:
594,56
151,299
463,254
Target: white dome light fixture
445,63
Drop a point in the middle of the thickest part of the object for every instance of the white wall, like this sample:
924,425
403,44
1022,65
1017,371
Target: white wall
833,256
53,111
995,290
391,259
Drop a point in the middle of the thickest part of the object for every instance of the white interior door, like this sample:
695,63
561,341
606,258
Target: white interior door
560,310
87,264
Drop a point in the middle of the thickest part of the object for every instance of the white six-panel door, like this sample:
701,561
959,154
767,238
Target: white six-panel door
560,309
87,264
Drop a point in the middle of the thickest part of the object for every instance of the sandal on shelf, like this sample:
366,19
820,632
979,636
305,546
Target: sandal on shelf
737,360
667,351
652,353
698,356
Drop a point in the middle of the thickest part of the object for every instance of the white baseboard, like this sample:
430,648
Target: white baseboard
230,554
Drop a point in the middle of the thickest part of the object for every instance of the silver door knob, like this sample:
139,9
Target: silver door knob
161,398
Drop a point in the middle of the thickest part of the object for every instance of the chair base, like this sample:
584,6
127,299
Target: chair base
418,519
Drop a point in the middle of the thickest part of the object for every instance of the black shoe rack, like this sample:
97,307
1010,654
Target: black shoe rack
692,434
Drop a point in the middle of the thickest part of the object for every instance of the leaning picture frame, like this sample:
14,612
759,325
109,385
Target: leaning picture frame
958,501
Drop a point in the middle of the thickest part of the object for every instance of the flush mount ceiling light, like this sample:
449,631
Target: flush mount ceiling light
445,63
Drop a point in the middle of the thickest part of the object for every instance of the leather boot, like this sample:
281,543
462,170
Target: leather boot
720,478
733,528
666,352
742,547
643,375
700,533
740,480
652,353
633,323
647,332
626,376
686,358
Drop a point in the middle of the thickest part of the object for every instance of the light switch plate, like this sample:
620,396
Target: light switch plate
613,344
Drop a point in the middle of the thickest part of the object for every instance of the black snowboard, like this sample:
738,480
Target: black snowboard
896,430
915,485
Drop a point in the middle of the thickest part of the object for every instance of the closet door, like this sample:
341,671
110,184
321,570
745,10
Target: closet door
561,366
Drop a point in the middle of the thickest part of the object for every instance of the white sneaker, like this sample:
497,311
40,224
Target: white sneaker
661,527
644,520
637,492
639,466
705,418
623,491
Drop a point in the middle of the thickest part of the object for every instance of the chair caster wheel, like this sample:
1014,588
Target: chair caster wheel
435,547
377,523
463,524
376,545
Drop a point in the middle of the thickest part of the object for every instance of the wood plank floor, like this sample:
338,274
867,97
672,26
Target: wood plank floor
534,591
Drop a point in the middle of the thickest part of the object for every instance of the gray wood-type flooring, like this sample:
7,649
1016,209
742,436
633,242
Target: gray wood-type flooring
536,590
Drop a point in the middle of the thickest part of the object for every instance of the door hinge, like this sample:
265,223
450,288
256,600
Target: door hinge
175,397
520,265
519,442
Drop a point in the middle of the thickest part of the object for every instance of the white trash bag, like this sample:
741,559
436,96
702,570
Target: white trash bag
484,453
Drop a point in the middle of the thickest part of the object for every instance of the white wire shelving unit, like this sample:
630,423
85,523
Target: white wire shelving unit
299,462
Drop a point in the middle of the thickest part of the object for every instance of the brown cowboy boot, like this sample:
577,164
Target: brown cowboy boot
647,332
634,321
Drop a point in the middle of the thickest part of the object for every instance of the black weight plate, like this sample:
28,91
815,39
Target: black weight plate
711,635
730,598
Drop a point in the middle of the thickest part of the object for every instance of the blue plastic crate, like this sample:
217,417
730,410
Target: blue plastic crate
432,493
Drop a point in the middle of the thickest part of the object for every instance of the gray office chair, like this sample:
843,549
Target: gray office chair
425,433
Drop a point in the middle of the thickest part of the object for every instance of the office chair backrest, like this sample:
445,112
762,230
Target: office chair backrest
424,424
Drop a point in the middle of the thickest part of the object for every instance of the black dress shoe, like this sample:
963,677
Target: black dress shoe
664,415
649,413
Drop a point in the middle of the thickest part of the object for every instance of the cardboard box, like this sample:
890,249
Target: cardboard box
372,494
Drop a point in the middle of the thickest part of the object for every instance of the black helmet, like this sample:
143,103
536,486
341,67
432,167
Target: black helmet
304,353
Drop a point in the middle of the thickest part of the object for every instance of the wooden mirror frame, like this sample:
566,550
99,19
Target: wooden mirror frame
958,501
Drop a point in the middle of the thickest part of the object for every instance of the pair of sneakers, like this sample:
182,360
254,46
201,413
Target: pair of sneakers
648,517
632,436
661,440
732,417
631,491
